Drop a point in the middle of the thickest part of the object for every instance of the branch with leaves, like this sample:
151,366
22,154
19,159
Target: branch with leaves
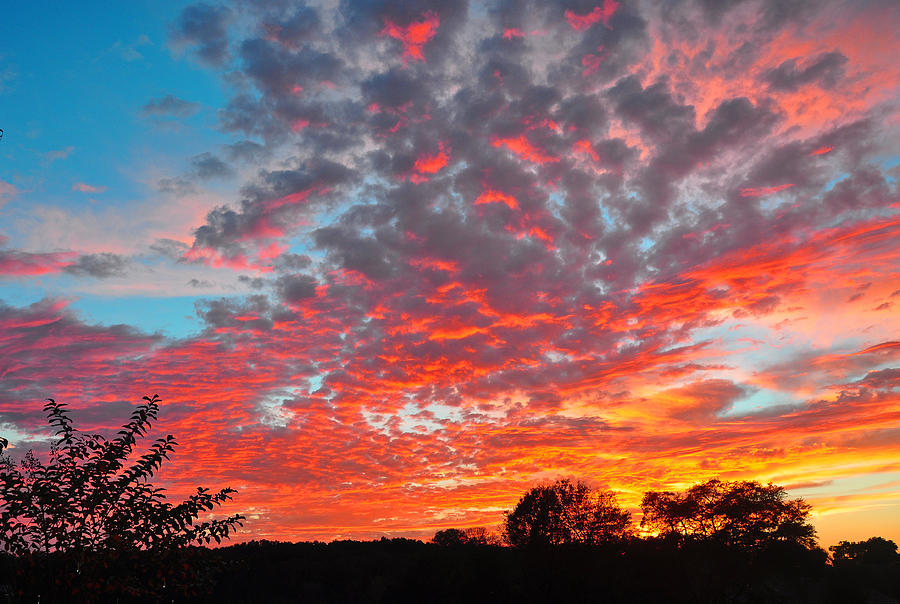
89,497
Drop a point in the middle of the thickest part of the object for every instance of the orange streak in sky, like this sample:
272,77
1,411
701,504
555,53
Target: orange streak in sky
879,347
290,199
822,151
763,191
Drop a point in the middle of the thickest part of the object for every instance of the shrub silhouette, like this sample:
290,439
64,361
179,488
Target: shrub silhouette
89,509
566,512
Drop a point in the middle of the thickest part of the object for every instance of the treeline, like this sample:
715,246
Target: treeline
630,571
740,514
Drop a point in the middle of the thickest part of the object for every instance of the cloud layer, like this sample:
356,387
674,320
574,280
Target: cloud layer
483,245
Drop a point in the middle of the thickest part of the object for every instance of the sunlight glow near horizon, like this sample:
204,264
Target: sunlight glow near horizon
389,265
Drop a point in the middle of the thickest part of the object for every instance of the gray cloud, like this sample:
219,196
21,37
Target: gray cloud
102,265
826,69
170,105
204,28
207,165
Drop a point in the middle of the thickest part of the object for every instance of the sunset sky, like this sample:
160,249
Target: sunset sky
390,264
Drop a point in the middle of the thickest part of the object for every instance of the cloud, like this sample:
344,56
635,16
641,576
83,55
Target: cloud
52,156
8,192
102,265
129,52
18,263
457,248
86,188
203,28
179,186
207,165
170,105
826,69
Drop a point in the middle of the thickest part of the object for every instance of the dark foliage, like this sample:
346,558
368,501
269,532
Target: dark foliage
565,513
871,551
873,564
470,536
650,571
90,522
742,514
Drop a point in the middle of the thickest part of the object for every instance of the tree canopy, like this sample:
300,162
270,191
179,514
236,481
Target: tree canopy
566,512
875,550
744,514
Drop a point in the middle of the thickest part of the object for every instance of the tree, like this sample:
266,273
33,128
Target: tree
89,501
743,514
471,536
875,550
566,512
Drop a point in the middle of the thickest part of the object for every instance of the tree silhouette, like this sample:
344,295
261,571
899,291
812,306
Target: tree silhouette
470,536
89,503
875,550
744,514
566,512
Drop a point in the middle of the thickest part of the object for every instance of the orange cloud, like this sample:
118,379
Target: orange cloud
523,148
430,163
493,196
822,151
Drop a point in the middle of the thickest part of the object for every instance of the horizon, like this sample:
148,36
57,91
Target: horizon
390,265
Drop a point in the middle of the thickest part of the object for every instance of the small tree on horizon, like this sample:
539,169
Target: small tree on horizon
567,512
875,550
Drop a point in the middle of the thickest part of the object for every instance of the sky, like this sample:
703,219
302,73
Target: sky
391,264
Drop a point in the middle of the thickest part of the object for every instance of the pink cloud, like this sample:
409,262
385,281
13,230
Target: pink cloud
86,188
599,14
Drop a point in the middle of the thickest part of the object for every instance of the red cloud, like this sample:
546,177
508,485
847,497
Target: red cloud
26,263
591,62
584,147
492,196
430,164
235,261
522,147
763,191
413,36
822,151
600,14
288,200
